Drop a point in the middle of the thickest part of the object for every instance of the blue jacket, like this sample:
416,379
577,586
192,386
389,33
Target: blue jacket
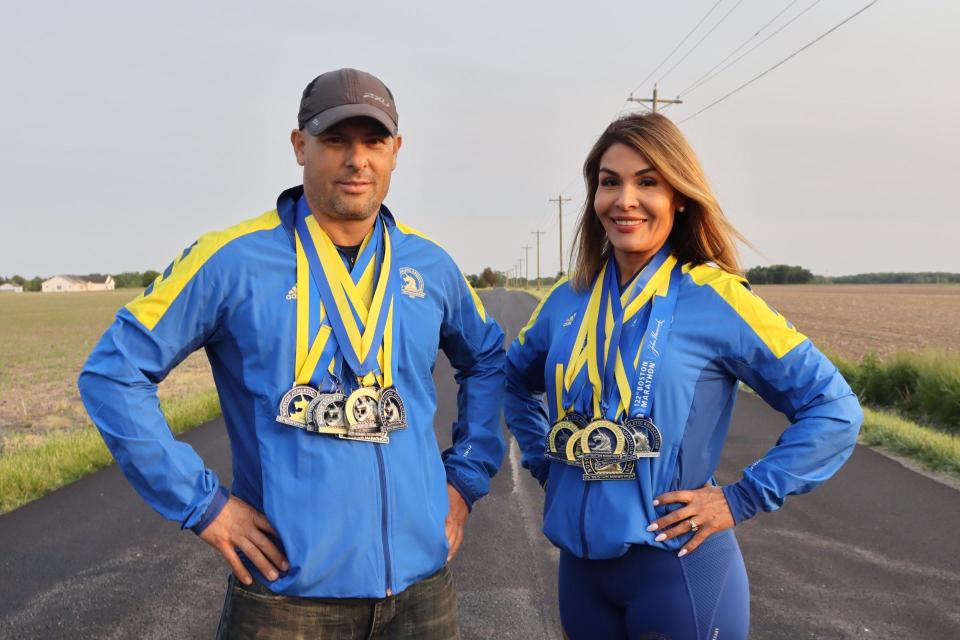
722,332
355,519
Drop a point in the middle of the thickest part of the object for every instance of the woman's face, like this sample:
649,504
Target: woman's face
634,203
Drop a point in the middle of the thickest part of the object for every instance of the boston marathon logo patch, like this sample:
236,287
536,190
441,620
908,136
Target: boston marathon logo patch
411,282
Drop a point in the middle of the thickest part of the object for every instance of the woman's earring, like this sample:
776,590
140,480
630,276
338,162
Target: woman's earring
681,208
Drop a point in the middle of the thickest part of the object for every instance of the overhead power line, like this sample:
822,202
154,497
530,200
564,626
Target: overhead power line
700,83
742,45
698,42
798,51
669,55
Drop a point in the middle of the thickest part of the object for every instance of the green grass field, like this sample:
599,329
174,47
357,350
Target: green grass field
46,439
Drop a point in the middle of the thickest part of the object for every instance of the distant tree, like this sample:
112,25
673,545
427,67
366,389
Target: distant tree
36,284
476,281
18,280
922,277
779,274
148,277
491,277
126,279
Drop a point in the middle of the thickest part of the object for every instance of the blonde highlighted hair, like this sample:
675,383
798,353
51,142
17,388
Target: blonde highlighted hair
700,234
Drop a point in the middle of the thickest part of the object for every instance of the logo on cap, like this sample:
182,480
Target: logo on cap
379,99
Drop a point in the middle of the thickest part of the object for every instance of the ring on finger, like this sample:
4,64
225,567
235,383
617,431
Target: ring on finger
693,526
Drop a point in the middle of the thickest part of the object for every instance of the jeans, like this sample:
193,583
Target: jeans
425,610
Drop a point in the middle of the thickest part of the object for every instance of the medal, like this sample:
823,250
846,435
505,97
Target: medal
362,411
557,440
328,414
613,368
294,404
563,429
606,452
644,435
393,416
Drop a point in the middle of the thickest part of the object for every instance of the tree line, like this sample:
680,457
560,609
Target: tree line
774,274
125,280
922,277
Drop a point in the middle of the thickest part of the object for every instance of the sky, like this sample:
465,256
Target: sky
129,129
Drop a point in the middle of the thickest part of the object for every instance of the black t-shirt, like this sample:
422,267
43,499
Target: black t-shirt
350,253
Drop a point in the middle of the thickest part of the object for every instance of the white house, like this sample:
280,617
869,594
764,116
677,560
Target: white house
94,282
10,288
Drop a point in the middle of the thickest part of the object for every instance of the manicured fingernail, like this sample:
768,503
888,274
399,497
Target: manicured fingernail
661,537
248,581
656,503
272,576
285,566
652,527
682,553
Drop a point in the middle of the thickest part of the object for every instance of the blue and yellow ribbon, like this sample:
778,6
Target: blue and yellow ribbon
598,372
362,324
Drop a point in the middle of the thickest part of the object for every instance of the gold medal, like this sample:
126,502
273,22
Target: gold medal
606,454
557,440
564,429
573,450
362,411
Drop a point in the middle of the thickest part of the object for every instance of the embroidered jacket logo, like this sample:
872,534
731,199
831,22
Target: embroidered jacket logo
411,283
292,294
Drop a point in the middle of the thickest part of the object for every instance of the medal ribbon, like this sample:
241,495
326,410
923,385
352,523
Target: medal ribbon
360,325
322,348
605,334
572,379
643,370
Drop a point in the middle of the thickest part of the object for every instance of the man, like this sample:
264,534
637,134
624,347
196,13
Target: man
321,320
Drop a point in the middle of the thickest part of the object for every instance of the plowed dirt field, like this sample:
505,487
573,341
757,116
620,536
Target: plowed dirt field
852,320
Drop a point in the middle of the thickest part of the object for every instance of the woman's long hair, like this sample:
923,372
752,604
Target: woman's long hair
700,234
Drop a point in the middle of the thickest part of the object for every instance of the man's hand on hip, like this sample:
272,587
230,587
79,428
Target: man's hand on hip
240,526
456,518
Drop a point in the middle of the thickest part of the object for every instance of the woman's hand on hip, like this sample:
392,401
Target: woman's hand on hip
705,512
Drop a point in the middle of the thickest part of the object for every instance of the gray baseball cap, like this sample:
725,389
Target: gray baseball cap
346,93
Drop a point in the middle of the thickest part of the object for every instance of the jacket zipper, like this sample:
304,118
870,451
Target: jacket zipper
583,519
383,521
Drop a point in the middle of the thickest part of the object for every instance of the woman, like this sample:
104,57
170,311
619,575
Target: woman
639,355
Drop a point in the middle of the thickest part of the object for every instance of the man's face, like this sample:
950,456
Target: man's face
346,169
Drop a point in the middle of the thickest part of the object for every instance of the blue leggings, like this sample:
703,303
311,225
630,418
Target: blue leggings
651,594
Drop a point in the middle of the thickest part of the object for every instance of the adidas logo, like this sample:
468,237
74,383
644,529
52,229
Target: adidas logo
292,294
569,321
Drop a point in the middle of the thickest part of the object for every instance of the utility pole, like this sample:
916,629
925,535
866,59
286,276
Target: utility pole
560,200
538,233
655,101
519,269
526,248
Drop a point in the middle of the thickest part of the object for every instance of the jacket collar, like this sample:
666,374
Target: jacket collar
287,209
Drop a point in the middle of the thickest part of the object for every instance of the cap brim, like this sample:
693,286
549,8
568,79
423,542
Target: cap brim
326,119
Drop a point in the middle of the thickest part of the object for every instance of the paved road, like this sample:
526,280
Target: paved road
872,554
